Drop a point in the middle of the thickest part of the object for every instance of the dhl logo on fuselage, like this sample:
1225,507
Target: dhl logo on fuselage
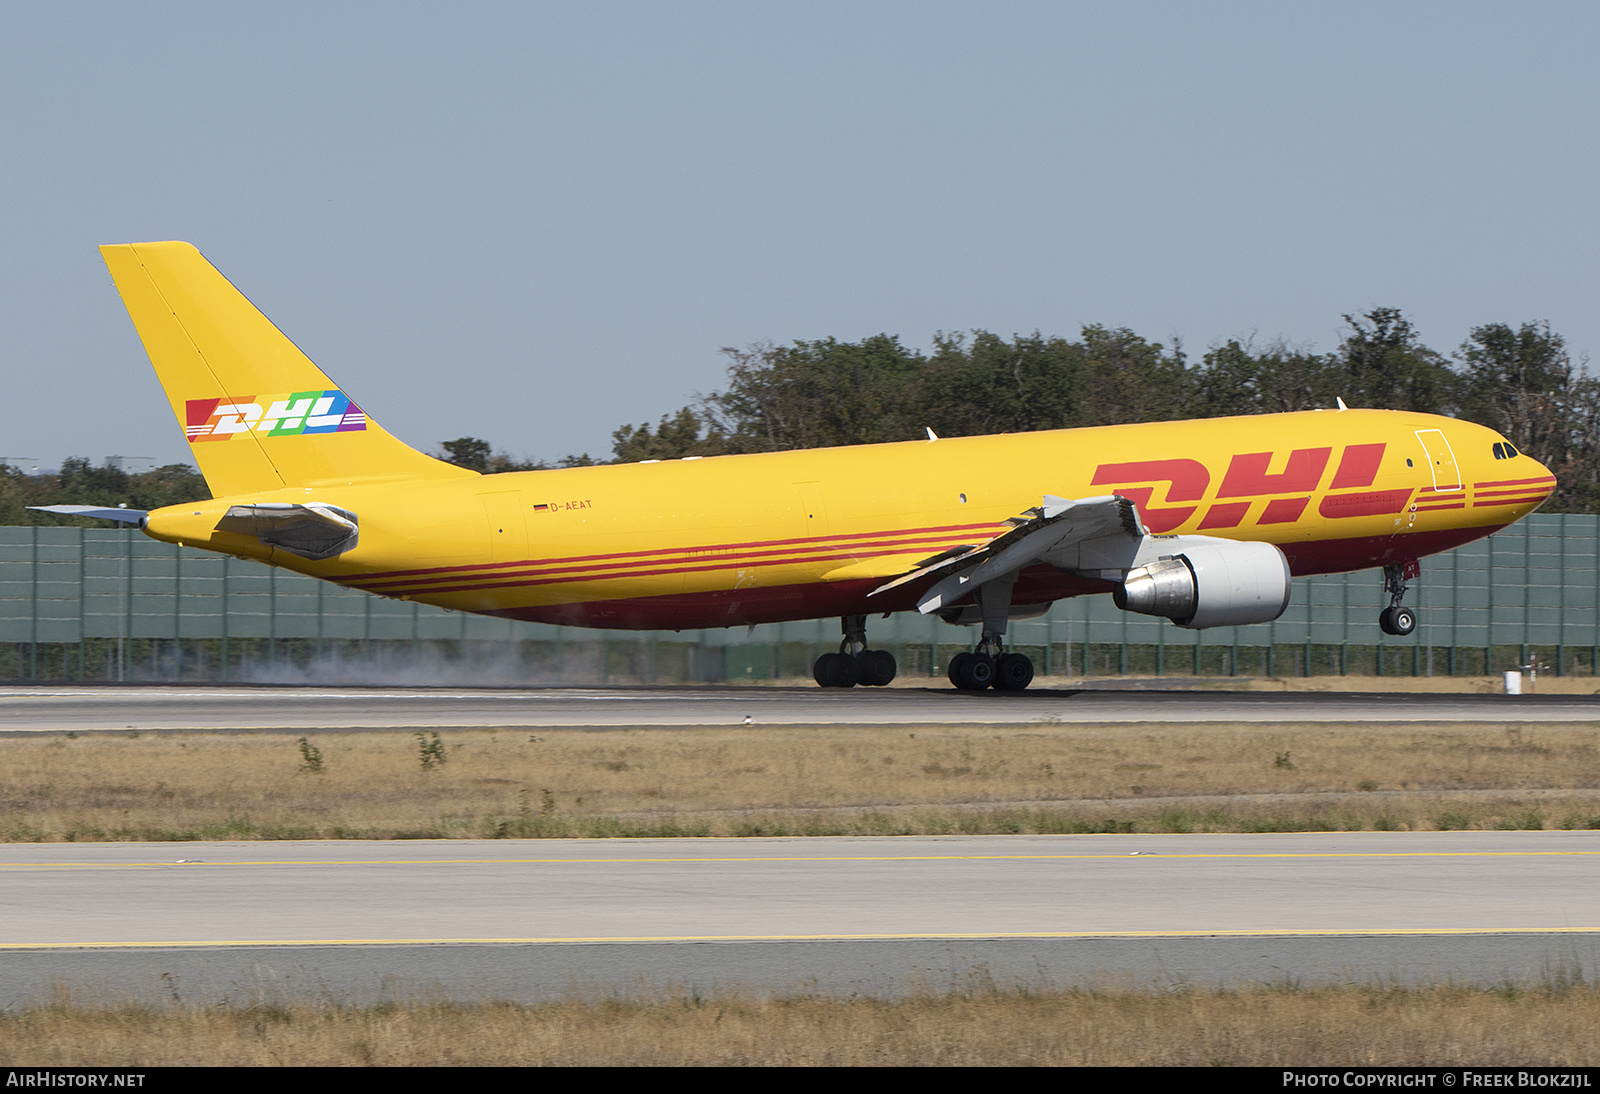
1247,479
290,414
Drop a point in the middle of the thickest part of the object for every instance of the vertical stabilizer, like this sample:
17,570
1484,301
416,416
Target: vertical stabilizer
258,414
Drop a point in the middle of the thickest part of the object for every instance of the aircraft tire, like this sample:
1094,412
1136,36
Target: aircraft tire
1386,621
977,673
877,668
1014,672
835,670
958,665
1403,620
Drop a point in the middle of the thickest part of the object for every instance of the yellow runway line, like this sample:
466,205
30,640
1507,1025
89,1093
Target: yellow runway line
1354,932
712,861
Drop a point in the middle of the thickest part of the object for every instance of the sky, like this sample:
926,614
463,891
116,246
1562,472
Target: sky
533,223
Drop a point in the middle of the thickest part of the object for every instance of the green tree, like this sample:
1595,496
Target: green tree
13,503
1127,379
816,395
470,452
675,436
995,386
1386,366
1523,383
1235,379
475,454
79,482
1517,381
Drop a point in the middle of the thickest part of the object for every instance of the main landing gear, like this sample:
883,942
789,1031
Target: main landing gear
1397,618
985,667
854,663
988,666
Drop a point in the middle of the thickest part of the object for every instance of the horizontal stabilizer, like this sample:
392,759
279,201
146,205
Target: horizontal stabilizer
98,512
313,530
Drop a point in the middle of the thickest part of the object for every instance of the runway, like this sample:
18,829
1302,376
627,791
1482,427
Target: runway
528,920
300,709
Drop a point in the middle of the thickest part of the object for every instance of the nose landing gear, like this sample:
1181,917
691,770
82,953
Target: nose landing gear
1398,619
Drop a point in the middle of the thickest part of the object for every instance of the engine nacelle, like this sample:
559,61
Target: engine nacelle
1218,584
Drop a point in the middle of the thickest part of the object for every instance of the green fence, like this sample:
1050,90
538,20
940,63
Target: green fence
92,604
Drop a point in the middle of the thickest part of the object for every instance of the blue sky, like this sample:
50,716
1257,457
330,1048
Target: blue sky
533,223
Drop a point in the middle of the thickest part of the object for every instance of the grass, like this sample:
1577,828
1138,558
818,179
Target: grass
1263,1026
793,781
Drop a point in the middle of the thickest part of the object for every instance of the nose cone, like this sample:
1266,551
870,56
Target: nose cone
1547,476
1514,486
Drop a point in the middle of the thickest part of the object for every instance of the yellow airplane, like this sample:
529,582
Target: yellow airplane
1201,522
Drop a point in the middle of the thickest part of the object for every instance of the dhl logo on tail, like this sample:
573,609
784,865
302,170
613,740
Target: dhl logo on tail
287,415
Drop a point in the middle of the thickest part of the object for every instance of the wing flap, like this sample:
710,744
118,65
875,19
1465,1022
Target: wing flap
880,567
1036,534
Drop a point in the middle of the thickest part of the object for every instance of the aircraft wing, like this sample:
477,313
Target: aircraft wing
98,512
1083,534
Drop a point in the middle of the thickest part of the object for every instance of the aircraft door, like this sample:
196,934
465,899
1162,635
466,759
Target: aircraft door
813,509
508,531
1441,461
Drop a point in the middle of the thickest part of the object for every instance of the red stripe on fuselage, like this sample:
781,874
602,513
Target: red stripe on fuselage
1509,501
822,543
629,568
1548,479
1037,584
568,576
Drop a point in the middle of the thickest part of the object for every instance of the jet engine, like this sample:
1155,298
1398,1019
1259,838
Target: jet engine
1217,584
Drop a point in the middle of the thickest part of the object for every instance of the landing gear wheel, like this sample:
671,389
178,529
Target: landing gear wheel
876,668
1403,620
1397,618
835,670
975,673
1014,672
958,666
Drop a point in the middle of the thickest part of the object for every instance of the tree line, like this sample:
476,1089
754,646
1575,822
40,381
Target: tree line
79,482
1520,380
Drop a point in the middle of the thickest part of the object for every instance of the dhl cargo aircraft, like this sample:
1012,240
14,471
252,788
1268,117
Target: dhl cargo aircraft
1202,522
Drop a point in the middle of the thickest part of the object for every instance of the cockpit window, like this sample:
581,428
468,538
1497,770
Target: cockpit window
1505,450
1499,451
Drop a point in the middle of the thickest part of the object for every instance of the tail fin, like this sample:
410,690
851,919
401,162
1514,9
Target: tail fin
258,414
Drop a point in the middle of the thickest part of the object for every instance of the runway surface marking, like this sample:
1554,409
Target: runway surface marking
1352,932
706,861
348,708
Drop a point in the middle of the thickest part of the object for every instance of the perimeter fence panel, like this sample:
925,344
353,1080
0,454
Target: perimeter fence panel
109,604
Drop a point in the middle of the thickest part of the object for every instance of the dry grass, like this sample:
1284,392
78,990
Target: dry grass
777,781
1347,1026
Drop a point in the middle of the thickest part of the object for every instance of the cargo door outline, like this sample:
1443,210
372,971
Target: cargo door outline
1441,461
508,530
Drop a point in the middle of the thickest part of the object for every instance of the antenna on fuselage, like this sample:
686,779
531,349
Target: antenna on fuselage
1340,402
